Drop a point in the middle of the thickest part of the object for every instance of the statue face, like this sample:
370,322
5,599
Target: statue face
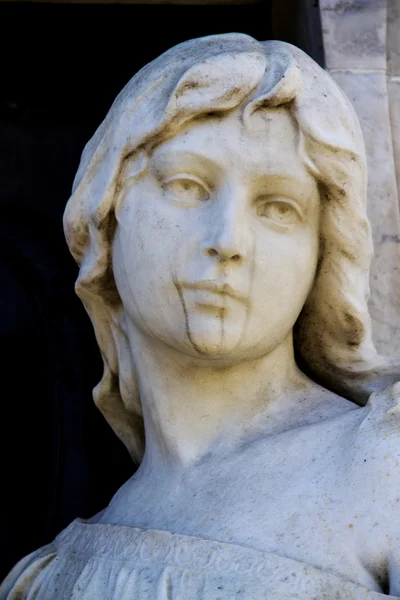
216,245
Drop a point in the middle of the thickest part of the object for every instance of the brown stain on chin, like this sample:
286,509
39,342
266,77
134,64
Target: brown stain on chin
180,294
222,312
221,315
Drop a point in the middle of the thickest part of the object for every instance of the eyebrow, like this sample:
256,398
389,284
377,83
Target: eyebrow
169,155
295,186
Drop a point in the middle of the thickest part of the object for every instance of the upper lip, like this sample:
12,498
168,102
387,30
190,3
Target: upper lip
222,288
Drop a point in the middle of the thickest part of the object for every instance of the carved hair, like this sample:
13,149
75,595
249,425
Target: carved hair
214,74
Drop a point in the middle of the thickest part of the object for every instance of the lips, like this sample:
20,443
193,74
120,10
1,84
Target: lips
219,288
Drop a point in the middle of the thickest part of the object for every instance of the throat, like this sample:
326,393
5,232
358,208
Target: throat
192,409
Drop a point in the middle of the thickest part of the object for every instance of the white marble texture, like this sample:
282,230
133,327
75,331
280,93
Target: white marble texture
393,37
354,33
394,106
356,38
220,224
393,78
368,93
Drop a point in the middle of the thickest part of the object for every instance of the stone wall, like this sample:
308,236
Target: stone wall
362,50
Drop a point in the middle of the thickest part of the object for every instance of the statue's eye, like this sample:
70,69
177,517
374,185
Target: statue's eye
279,210
186,189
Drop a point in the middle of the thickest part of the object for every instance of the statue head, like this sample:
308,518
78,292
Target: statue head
233,170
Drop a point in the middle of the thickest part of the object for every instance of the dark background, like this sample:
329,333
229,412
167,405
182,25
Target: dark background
62,66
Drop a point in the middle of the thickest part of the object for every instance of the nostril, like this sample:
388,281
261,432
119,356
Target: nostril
212,252
224,257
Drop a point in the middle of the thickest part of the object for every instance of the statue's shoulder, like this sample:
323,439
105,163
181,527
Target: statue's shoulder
376,450
372,477
383,415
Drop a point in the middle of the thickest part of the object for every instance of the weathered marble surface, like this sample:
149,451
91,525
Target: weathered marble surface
220,224
393,78
354,33
368,93
393,37
355,478
359,39
394,105
84,555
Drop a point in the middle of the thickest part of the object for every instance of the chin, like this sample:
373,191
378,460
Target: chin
219,347
210,350
213,337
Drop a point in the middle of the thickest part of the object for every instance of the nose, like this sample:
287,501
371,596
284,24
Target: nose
226,238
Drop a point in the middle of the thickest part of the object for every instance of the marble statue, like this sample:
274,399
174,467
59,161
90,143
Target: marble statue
218,217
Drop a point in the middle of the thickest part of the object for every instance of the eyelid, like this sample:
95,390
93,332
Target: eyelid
193,178
282,200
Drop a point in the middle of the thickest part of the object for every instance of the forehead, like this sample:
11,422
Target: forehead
264,143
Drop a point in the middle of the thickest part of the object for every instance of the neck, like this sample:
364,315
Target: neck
192,408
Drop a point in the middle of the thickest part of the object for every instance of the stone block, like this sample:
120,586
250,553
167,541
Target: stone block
354,33
394,104
393,37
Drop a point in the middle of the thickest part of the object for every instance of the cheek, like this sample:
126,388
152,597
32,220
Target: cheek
145,231
149,221
285,268
148,244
